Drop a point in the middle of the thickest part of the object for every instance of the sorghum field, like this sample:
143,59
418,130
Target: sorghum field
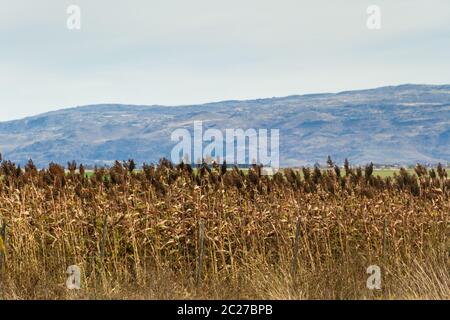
177,232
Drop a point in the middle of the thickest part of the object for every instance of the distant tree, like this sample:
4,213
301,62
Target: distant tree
82,170
130,165
441,171
347,167
224,167
330,162
368,170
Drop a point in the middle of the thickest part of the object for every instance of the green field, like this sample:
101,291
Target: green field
383,173
389,172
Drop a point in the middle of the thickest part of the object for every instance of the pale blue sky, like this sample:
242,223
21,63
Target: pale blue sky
184,52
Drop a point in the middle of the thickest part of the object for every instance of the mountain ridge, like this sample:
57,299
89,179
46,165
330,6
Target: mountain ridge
394,124
308,95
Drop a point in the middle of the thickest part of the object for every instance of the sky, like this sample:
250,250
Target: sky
179,52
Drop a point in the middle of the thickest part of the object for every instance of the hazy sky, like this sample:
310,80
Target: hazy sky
193,51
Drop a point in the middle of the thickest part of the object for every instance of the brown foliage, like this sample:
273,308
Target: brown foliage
135,233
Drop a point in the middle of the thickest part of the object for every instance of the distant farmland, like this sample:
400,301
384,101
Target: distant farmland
384,173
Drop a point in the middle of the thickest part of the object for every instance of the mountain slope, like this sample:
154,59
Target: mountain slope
403,124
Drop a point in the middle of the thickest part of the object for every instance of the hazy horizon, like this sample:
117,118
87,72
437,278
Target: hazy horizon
166,53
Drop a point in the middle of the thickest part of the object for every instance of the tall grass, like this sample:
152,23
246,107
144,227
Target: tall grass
170,232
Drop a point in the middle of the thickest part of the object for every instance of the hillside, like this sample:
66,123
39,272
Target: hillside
403,124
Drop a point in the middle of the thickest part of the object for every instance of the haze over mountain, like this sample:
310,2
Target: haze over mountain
402,124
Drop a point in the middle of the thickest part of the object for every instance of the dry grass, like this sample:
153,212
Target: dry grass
136,236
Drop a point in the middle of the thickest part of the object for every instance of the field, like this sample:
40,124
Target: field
383,173
177,232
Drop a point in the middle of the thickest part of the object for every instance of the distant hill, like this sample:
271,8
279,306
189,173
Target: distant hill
402,124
